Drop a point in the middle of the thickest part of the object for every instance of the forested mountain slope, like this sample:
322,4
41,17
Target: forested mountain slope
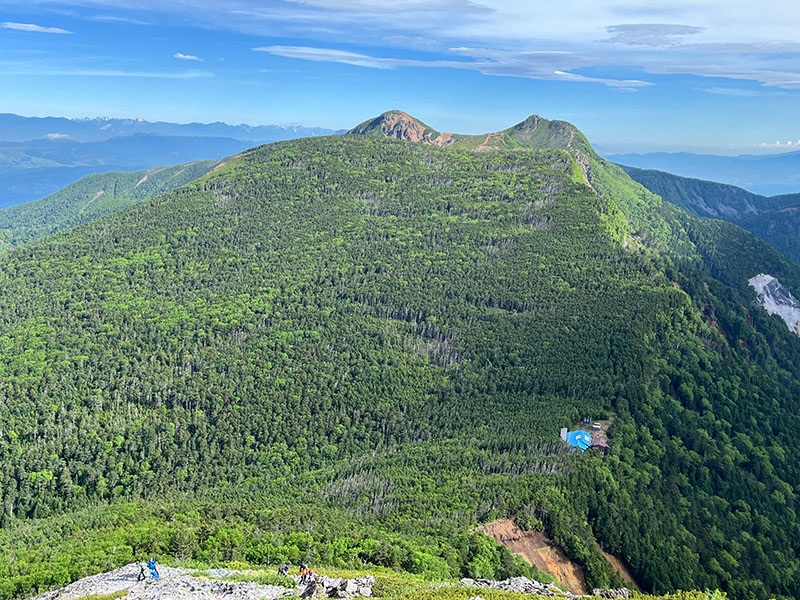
775,219
92,197
355,349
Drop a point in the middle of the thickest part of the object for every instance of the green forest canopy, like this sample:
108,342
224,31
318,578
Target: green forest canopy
372,344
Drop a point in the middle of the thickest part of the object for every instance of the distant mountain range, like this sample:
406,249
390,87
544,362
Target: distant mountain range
775,219
765,174
16,128
39,156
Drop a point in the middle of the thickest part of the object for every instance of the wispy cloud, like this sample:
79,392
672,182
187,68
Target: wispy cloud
553,65
743,92
30,27
182,56
118,19
650,34
33,70
779,144
57,136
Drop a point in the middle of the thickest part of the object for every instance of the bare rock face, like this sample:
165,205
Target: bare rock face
402,126
521,585
622,593
777,300
314,590
325,587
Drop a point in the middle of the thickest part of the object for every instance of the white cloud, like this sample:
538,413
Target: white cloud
532,65
743,92
44,71
779,144
33,28
650,34
118,19
57,136
181,56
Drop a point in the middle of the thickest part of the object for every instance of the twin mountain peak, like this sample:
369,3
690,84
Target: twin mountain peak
534,132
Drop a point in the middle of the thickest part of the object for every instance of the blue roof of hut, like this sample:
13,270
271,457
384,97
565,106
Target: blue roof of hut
580,439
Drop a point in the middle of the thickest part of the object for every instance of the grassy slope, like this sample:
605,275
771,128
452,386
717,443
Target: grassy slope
90,198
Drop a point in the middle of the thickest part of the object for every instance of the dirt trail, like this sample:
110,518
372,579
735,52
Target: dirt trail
490,137
538,550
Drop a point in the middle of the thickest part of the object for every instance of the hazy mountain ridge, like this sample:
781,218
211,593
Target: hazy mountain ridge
767,174
375,343
16,128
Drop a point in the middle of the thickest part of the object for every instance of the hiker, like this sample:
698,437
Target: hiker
151,564
142,573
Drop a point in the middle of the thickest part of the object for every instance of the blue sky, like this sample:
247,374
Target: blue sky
635,75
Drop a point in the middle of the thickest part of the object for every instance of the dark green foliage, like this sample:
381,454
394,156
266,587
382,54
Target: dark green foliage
708,198
780,228
775,219
90,198
371,345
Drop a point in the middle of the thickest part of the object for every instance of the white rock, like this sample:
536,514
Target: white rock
777,300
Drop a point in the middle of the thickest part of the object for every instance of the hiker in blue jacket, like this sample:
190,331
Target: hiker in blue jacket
151,564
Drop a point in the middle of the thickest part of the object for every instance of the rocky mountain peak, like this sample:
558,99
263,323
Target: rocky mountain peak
400,125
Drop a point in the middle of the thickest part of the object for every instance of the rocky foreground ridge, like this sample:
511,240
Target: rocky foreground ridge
190,584
215,584
524,585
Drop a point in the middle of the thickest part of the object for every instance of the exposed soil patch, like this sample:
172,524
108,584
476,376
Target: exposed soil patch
538,550
621,570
